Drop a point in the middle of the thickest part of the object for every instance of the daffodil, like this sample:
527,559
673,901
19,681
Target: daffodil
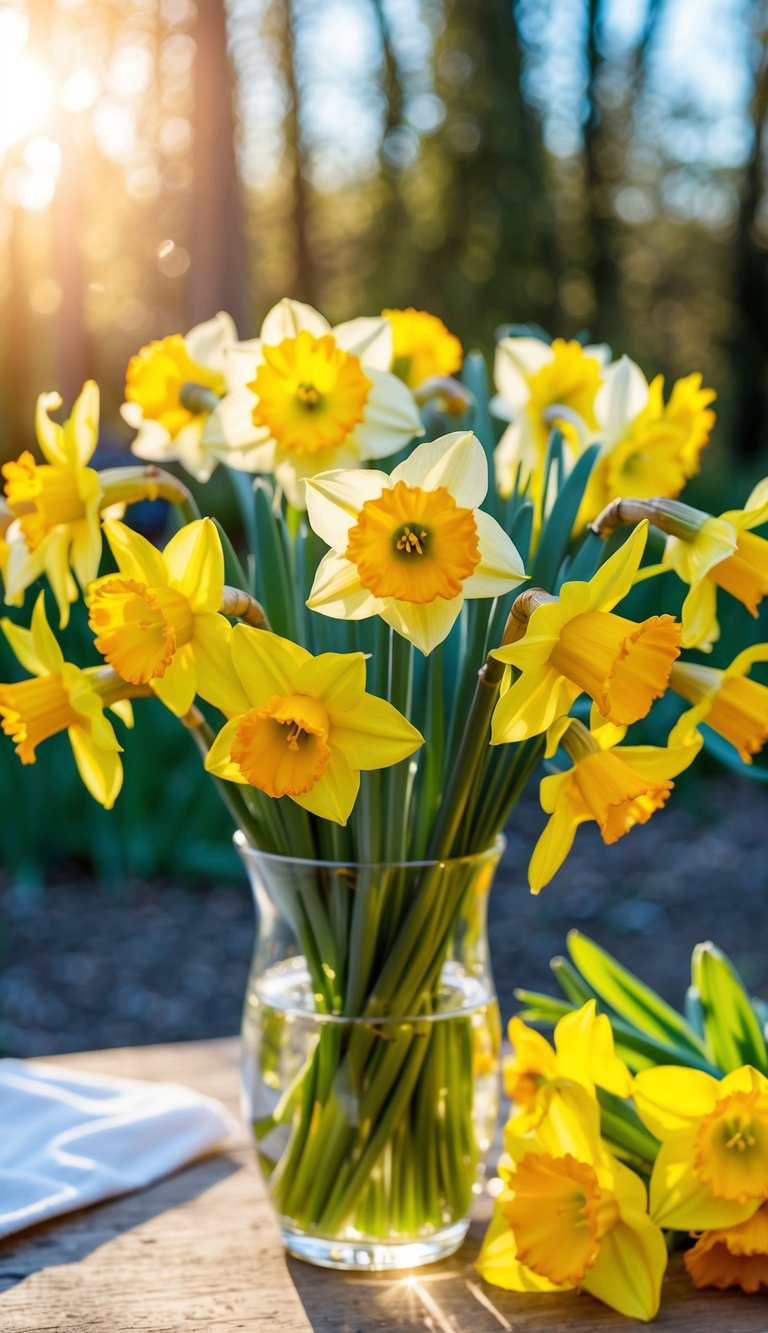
648,447
571,1216
412,546
583,1054
55,505
156,621
318,397
735,707
421,346
574,643
712,1166
617,786
721,552
542,387
308,726
735,1256
61,697
173,390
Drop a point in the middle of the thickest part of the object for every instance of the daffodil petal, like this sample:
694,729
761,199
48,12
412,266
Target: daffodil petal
195,564
231,431
336,679
218,760
288,318
50,435
662,761
241,361
369,338
425,625
456,461
206,342
756,507
45,645
531,705
758,652
621,396
501,566
334,794
670,1098
217,681
100,770
554,844
293,471
81,431
56,565
334,500
85,551
391,417
516,359
584,1044
678,1200
629,1268
178,687
338,592
265,663
699,616
613,580
373,734
152,442
497,1261
136,557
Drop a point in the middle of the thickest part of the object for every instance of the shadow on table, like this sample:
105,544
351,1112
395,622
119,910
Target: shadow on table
73,1236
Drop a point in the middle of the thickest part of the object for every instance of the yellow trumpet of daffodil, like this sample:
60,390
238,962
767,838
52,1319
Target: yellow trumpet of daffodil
571,1216
318,397
422,346
721,552
156,621
648,447
411,547
617,786
62,697
174,389
735,707
574,644
712,1166
307,727
55,505
541,387
583,1053
735,1256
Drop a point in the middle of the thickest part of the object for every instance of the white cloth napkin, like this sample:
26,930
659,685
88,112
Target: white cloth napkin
70,1139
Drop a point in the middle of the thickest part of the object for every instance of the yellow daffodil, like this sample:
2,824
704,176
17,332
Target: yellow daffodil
648,447
421,346
61,697
412,546
734,1256
720,552
308,726
574,644
156,621
616,786
712,1166
735,707
55,505
583,1054
173,390
318,398
571,1216
541,387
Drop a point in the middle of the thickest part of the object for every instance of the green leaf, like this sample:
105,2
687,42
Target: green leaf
555,535
733,1033
630,997
694,1010
571,982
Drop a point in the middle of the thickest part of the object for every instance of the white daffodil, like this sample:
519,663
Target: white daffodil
318,397
412,546
540,387
174,389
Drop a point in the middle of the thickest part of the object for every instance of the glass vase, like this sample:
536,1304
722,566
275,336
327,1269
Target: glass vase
371,1043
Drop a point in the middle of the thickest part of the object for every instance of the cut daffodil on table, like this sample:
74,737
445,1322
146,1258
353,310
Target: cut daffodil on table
412,546
309,726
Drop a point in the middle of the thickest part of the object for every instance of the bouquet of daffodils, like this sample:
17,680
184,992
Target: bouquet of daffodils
430,606
640,1129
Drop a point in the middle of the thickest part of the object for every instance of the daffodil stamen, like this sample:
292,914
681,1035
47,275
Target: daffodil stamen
731,1148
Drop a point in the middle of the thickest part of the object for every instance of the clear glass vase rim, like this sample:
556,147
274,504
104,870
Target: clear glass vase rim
247,850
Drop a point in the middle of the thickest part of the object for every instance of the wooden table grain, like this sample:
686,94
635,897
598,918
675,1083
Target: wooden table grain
200,1251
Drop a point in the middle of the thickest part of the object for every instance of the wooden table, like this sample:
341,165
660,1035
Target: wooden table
201,1251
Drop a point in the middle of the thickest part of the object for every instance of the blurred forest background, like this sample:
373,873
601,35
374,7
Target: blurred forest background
593,164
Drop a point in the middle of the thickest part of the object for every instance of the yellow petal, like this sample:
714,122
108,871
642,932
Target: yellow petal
741,664
335,793
218,761
177,688
679,1201
756,508
334,500
554,844
531,705
44,642
50,435
85,552
217,680
337,679
629,1268
613,580
501,566
456,461
195,564
123,708
265,663
373,734
699,616
497,1261
136,557
662,762
338,592
425,624
745,1079
670,1098
100,770
81,431
56,565
585,1047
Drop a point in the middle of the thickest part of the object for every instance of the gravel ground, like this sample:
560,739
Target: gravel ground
82,966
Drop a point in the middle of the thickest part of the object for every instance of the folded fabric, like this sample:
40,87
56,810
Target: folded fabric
70,1139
